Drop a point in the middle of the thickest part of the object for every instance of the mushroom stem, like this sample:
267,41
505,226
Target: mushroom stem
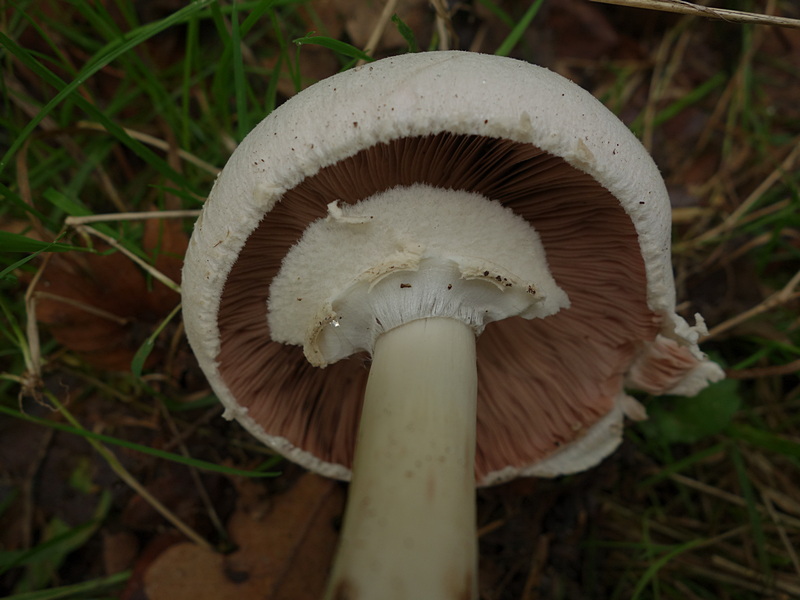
409,527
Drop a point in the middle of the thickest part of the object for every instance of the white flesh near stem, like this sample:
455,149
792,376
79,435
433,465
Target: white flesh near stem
409,527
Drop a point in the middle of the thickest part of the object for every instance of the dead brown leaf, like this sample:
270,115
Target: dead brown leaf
285,546
102,306
120,549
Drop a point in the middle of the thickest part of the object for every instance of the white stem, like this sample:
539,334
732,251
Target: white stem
409,527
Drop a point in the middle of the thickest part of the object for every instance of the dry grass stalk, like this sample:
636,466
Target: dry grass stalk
723,14
380,27
155,273
132,216
155,142
779,298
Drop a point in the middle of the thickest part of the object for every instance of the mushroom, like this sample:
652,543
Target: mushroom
434,271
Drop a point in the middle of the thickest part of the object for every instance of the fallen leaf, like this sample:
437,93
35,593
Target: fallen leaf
120,549
285,546
134,589
102,306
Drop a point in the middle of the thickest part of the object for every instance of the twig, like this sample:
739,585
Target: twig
689,8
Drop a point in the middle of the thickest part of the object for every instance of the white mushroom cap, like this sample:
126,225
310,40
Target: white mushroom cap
550,390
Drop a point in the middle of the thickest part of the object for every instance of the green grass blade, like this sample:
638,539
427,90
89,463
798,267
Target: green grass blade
759,537
68,90
255,15
659,563
335,45
685,101
497,12
677,466
239,87
11,242
6,194
271,97
191,462
145,349
191,50
61,539
516,33
12,560
14,242
692,97
78,590
407,33
765,440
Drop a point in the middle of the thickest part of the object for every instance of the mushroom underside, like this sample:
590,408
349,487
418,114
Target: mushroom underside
542,383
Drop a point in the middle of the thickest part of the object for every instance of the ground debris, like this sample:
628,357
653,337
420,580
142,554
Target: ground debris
284,549
102,306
